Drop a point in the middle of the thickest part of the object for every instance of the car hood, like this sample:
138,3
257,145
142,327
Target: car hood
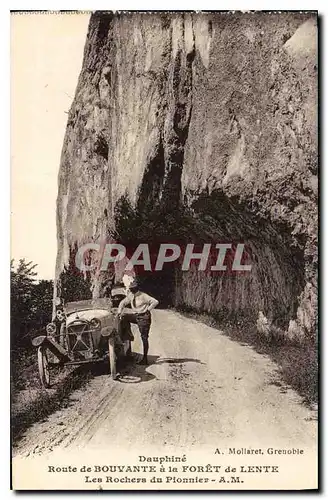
88,315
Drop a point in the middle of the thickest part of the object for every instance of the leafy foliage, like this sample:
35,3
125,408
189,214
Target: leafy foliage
72,284
31,300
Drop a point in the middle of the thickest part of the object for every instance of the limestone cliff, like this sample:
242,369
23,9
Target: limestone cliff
200,127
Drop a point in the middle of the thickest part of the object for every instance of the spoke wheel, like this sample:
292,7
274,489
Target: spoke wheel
43,367
62,336
112,357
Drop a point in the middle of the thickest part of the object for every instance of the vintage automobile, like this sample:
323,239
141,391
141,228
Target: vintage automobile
86,331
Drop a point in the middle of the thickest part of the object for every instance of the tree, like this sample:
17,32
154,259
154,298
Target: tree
31,300
22,282
42,300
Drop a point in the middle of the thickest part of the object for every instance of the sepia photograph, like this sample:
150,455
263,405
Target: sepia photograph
164,250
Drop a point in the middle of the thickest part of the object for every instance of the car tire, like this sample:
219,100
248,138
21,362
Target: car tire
43,365
112,357
62,336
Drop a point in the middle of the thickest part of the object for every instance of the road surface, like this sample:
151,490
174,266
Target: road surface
201,389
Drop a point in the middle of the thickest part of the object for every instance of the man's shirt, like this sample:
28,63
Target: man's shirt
139,302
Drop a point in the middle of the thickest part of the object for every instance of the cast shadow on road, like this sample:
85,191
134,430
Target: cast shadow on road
179,360
134,373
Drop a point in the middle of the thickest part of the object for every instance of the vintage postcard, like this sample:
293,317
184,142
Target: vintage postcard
164,250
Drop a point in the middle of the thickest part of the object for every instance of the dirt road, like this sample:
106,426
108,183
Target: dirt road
201,388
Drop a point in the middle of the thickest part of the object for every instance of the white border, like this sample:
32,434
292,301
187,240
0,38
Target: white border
163,5
5,181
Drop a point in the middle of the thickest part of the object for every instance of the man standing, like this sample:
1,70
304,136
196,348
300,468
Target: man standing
141,304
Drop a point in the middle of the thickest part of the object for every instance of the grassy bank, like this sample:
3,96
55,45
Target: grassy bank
297,362
31,403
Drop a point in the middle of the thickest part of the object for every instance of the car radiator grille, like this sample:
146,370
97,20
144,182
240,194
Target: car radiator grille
79,337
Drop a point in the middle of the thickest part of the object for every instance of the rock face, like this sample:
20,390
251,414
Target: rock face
199,128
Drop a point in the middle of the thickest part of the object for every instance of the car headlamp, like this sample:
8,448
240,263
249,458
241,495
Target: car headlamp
51,328
95,324
60,315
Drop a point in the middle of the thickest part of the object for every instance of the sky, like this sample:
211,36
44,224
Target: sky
46,59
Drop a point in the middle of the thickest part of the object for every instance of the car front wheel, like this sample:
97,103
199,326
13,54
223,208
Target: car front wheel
43,365
112,357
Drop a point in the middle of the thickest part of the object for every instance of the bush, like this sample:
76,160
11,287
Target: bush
31,301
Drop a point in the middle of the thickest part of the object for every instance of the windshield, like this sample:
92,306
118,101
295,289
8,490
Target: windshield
90,304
